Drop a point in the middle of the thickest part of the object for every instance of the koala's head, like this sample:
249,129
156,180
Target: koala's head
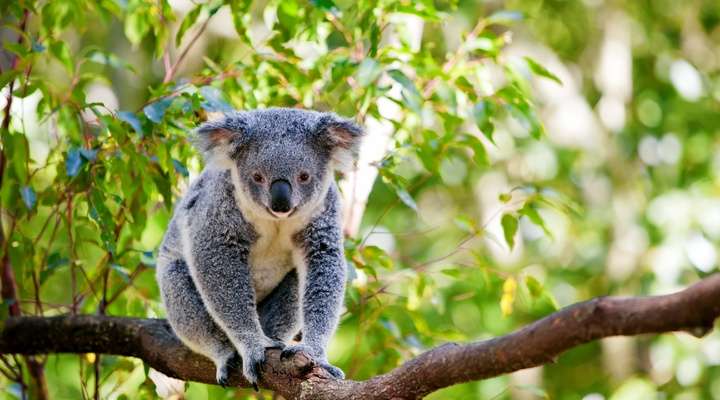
284,158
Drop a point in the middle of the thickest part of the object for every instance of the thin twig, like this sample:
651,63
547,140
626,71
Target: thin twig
170,73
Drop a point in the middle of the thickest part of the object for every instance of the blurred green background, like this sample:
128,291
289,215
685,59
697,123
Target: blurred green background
521,156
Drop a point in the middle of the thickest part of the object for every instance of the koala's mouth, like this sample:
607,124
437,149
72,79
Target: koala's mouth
281,215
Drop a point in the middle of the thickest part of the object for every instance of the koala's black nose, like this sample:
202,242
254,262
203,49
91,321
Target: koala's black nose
280,196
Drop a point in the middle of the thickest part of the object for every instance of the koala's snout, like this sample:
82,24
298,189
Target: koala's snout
280,196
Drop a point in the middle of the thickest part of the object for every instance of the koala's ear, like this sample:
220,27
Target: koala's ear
342,137
221,137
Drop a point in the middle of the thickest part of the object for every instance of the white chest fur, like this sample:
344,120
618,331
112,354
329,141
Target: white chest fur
273,255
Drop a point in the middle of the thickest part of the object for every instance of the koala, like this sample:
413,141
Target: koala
253,254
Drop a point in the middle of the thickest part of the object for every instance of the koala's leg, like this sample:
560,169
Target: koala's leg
279,312
191,322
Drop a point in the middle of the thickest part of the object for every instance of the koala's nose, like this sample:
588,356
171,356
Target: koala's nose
280,191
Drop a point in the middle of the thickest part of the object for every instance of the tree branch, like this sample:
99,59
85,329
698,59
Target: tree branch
693,310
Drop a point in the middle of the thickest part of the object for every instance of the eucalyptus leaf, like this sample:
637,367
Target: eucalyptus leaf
539,70
73,162
187,23
505,17
509,224
155,111
132,120
368,71
406,198
28,196
180,168
214,100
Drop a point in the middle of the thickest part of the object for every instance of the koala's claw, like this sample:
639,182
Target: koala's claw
252,365
256,370
222,381
223,372
222,377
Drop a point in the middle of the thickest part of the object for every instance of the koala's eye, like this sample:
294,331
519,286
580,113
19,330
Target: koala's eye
304,177
258,178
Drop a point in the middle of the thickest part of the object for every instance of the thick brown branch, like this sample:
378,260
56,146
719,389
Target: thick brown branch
693,309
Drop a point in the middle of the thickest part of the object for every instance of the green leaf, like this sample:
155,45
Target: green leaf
504,17
368,72
132,120
155,111
534,286
466,223
325,5
484,45
28,196
523,112
410,94
533,215
54,262
509,224
104,218
406,198
7,76
214,100
241,17
403,80
102,57
539,70
73,162
19,50
89,154
17,149
136,26
188,22
180,168
61,51
376,256
480,156
483,112
375,35
452,272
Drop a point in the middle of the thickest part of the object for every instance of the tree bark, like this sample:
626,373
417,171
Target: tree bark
693,310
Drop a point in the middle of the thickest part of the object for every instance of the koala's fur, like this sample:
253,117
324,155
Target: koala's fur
237,278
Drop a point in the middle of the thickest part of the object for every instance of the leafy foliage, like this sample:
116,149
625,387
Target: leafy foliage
481,219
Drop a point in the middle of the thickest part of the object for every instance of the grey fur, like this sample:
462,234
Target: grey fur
237,277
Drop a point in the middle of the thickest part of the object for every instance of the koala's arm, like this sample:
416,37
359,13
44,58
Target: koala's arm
222,276
219,243
324,280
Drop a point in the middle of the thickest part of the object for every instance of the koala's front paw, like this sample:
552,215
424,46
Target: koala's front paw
225,369
290,351
253,358
319,357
